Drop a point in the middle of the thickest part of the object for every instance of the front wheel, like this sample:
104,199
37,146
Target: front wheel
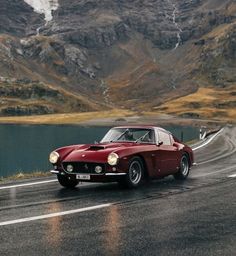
135,173
66,182
183,172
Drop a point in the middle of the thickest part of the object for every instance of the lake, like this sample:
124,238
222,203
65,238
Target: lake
25,148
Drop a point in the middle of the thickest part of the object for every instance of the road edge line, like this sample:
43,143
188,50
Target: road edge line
28,184
210,140
52,215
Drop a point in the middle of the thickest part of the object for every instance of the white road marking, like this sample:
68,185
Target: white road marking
232,175
209,141
52,215
232,168
28,184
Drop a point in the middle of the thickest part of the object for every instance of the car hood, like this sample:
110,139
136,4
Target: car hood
94,152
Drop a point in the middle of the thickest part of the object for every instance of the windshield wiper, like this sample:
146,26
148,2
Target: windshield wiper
142,137
122,134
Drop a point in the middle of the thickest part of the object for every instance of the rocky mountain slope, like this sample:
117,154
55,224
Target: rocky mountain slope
82,55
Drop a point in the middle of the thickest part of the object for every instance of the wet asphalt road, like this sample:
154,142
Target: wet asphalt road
164,217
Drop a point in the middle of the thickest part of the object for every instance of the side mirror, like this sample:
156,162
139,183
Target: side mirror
176,145
160,143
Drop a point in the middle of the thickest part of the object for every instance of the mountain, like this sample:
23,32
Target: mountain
144,55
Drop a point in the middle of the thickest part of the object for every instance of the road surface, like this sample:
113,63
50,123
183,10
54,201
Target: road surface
164,217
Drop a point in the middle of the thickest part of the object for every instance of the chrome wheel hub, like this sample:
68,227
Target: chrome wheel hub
184,166
135,172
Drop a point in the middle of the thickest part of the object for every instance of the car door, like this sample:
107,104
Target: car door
167,154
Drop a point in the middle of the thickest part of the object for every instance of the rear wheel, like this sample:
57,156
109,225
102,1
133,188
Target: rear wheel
134,175
183,172
66,182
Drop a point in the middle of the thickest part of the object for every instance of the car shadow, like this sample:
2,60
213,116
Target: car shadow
112,192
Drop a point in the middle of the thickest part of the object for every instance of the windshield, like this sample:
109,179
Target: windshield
138,135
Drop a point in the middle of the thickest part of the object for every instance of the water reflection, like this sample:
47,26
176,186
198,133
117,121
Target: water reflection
13,196
26,148
54,230
113,235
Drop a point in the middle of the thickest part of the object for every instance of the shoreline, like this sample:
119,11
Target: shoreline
111,118
25,176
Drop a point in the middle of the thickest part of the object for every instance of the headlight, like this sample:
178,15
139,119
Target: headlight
113,159
53,157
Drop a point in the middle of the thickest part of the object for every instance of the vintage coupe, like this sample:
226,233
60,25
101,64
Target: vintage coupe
126,154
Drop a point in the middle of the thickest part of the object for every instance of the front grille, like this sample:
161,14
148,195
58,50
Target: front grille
83,167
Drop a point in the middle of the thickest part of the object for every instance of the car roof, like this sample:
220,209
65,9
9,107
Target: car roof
136,126
143,127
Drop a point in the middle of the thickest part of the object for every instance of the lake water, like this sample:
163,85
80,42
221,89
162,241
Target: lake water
25,148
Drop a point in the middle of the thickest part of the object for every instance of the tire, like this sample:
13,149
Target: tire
66,182
183,172
134,175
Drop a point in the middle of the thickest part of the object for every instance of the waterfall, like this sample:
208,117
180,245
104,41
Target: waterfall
45,7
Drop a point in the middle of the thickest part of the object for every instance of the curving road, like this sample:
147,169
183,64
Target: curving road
164,217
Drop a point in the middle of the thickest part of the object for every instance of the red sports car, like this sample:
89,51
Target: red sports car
126,154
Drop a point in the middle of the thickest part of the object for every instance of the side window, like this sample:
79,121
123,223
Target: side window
165,138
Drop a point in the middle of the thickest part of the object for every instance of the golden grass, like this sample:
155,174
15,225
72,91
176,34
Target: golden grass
134,76
210,103
68,118
22,175
220,31
69,97
231,9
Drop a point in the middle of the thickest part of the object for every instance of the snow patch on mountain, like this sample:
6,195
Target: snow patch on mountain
45,7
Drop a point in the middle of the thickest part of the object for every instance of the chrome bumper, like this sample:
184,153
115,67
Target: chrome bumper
115,174
95,174
54,172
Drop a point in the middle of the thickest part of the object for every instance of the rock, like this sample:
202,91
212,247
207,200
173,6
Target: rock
226,104
190,115
26,110
200,42
219,58
18,18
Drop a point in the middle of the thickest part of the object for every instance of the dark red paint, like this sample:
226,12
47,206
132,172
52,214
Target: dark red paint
159,159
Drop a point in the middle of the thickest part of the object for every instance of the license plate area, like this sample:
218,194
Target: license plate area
83,177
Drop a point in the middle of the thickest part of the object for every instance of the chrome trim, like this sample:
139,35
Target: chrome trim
101,174
194,164
115,174
54,172
92,174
